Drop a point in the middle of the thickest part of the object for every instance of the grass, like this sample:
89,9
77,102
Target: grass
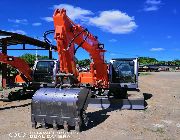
144,73
160,130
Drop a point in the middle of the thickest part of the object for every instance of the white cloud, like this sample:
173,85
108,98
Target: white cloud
151,8
37,24
177,49
157,49
19,21
175,11
112,40
18,31
75,13
169,37
155,2
152,5
114,21
48,19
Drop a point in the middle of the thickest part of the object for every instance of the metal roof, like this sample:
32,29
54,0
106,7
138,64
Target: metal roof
10,38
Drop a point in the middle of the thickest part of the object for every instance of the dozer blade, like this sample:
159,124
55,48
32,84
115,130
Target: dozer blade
104,103
135,101
54,106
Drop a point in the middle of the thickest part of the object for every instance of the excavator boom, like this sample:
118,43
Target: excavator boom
67,33
19,64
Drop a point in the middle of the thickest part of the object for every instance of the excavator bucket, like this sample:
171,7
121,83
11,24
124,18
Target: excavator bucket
54,106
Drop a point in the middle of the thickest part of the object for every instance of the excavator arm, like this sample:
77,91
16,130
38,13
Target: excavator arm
67,34
19,64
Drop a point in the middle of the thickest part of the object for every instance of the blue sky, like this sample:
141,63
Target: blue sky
128,28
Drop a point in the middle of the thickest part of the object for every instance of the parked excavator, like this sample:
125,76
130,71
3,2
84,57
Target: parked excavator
28,79
66,103
18,63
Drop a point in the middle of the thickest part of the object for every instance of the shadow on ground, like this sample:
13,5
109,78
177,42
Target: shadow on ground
147,96
16,106
17,95
98,117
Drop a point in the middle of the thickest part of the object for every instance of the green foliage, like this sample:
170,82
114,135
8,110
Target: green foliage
177,62
174,62
147,60
30,58
84,63
144,73
162,62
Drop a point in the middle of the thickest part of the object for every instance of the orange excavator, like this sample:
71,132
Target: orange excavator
66,103
18,63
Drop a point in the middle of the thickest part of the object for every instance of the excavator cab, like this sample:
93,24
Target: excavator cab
123,73
44,73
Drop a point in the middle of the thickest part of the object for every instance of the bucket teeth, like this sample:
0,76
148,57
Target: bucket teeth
77,126
66,127
55,127
44,124
34,125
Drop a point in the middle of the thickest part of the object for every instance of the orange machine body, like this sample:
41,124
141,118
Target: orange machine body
67,34
20,65
19,79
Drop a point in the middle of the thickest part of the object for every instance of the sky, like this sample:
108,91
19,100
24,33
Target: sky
128,28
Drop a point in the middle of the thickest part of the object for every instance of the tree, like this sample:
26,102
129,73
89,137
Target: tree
162,62
147,60
84,63
177,62
30,58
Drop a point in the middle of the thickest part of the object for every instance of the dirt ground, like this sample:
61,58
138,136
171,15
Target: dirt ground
161,119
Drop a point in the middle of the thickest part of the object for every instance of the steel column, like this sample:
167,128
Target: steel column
50,54
4,66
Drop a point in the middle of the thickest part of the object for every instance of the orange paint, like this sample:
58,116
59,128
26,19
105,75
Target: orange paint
17,63
67,32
